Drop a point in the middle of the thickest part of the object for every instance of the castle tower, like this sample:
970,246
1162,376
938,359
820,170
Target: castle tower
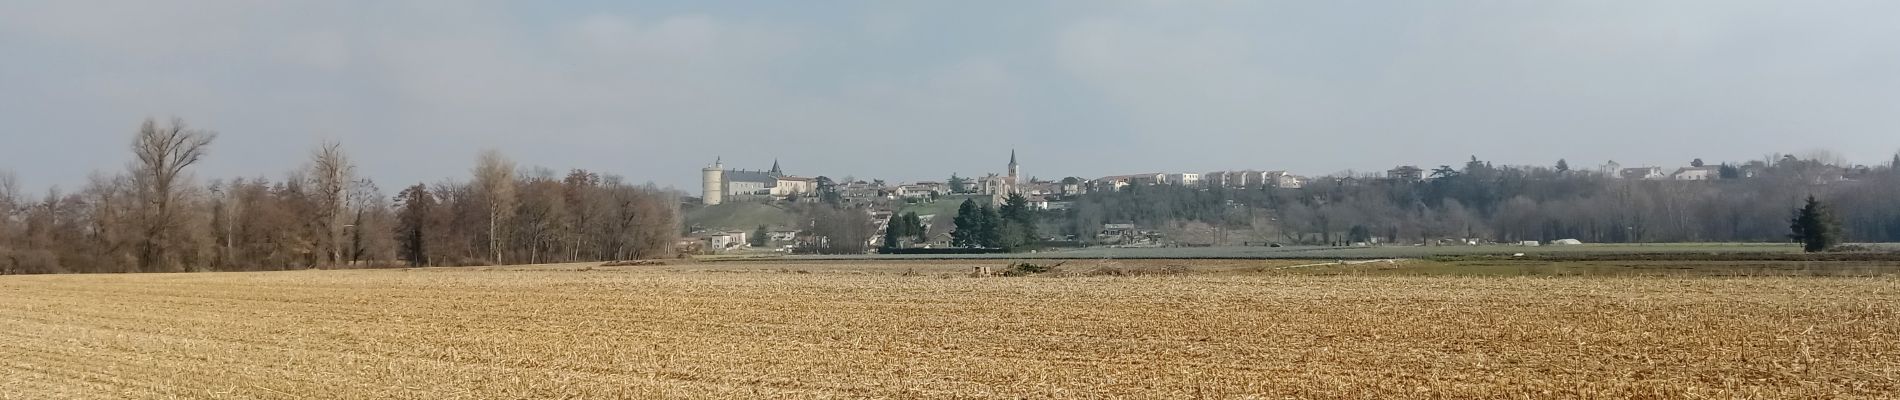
712,183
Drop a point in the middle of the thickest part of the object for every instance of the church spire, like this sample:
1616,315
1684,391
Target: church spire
775,170
1012,157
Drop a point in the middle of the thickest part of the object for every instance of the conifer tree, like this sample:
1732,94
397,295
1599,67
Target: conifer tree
894,231
969,221
1815,227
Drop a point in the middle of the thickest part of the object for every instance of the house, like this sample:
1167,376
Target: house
1041,188
1253,179
1217,179
1072,187
1111,183
1038,202
790,185
1645,173
913,191
1406,173
1148,179
718,242
1283,180
782,235
1184,179
689,246
933,186
1704,173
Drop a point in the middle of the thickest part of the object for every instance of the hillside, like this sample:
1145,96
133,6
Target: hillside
945,206
740,216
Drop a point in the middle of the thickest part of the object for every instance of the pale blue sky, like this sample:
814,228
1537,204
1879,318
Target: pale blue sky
918,90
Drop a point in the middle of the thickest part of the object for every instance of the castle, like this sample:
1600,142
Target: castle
719,185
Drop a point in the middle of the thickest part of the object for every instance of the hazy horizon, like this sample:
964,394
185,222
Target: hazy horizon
916,91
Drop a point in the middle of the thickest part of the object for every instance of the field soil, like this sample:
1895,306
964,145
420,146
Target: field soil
1147,329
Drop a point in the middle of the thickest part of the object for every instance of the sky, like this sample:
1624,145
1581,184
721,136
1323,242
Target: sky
914,90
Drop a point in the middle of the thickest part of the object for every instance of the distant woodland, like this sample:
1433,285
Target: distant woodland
157,216
1749,202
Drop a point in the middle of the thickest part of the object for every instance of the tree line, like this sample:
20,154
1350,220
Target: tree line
1746,202
154,217
1011,227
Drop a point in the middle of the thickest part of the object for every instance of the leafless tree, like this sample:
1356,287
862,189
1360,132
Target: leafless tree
9,204
331,175
495,182
153,219
371,221
163,153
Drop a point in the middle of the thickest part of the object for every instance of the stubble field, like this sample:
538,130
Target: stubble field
1218,329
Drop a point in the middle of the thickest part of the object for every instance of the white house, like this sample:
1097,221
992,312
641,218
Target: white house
719,241
1646,173
1697,173
1184,179
1283,180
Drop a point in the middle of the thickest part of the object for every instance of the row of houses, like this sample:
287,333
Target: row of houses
1704,173
1226,179
1690,173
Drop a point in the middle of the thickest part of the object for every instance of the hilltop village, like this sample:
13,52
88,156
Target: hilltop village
747,210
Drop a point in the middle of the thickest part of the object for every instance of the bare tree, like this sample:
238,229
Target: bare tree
9,203
1826,157
154,219
495,182
370,219
331,176
163,154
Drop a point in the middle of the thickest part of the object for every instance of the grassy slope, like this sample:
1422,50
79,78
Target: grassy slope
945,207
740,216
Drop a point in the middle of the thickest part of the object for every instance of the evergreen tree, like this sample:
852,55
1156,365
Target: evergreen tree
1019,222
1896,162
915,227
989,231
1359,234
1815,227
894,230
829,193
969,222
1696,163
1729,172
760,237
1444,171
959,184
1563,166
416,208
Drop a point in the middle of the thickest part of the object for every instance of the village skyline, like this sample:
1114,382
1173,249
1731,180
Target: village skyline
1694,169
914,91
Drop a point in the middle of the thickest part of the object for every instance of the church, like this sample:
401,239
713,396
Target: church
1000,187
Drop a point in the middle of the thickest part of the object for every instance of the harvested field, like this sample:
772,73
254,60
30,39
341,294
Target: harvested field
908,330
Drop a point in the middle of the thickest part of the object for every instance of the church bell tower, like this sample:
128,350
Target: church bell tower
1015,171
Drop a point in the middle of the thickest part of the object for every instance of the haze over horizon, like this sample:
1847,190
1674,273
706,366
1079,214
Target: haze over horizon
918,90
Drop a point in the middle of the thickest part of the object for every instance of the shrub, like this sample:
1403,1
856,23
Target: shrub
1027,269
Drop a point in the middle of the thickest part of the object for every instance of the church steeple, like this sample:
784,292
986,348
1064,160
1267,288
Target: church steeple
1015,170
775,170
